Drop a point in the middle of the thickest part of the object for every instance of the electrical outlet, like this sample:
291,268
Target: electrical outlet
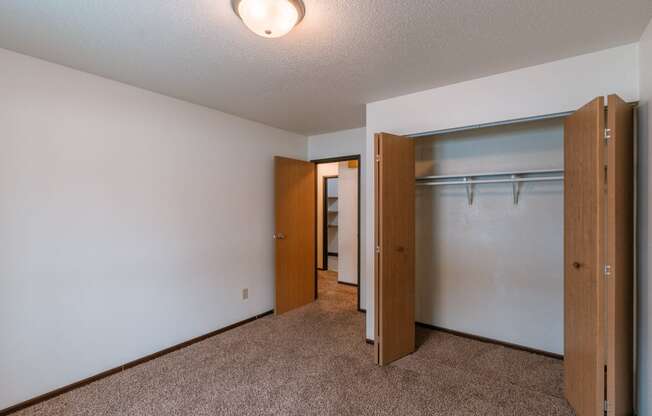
245,293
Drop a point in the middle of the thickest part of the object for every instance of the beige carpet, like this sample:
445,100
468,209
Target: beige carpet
314,361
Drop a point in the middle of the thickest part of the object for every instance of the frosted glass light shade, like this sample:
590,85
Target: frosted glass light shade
269,18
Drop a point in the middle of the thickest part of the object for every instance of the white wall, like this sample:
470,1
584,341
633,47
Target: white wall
492,268
544,89
347,224
121,222
323,169
336,144
644,229
347,143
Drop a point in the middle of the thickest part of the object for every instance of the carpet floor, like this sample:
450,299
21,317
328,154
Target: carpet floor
314,361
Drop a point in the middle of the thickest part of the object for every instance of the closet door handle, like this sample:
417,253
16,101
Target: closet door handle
577,265
279,236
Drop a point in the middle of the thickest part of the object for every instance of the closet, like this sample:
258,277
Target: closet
520,232
489,233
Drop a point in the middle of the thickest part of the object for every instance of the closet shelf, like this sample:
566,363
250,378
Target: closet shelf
484,174
515,178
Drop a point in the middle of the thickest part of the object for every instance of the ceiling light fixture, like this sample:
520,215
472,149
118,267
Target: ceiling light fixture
269,18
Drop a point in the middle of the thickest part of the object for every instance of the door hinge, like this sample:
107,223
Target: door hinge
377,158
607,136
607,270
605,406
377,249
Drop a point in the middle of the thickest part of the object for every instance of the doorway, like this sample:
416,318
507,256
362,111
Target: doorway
337,210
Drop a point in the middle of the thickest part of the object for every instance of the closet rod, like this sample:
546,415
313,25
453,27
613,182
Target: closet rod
475,175
476,181
515,178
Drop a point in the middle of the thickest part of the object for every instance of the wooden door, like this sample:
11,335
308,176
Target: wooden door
584,242
395,247
295,233
620,256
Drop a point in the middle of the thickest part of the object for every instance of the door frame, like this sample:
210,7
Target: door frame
331,160
325,252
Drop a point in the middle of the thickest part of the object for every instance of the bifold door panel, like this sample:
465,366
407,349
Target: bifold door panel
395,247
295,233
584,304
599,256
620,256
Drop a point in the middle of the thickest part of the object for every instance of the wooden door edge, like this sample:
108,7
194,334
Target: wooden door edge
377,351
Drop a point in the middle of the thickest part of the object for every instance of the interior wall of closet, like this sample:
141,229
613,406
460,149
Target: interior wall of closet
489,256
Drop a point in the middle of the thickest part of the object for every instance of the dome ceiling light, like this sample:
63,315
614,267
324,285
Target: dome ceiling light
269,18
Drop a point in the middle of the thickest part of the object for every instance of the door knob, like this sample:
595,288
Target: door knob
279,236
577,265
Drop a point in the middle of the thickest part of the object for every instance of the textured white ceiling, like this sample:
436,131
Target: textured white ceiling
344,54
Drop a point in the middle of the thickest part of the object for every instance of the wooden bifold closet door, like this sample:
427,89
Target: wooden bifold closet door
598,258
584,234
395,247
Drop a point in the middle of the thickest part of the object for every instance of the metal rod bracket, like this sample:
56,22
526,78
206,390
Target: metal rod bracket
469,190
515,189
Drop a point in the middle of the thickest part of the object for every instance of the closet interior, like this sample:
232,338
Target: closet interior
489,232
